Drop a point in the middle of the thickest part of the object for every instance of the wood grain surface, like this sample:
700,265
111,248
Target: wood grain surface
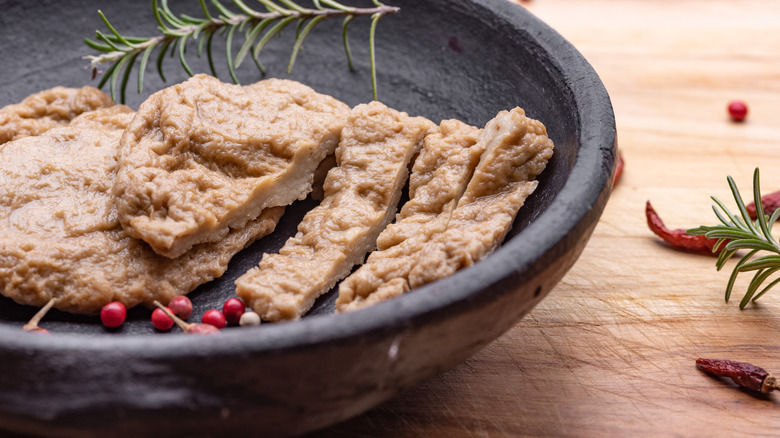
611,350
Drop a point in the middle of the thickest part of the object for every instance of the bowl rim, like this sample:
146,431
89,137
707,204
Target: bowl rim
595,156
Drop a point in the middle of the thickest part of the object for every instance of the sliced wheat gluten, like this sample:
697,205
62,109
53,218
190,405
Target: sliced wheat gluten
439,177
204,156
48,109
361,195
517,151
59,233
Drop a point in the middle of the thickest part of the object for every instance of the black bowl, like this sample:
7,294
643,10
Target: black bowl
437,58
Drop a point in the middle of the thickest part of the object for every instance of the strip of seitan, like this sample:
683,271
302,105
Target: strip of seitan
49,109
59,233
517,151
361,195
203,156
439,177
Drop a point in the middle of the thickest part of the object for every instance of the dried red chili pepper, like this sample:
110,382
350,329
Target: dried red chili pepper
679,238
618,169
742,373
770,202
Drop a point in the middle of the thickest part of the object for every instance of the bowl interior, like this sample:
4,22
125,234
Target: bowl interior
436,59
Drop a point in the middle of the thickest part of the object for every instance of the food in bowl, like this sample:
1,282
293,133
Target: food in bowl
204,157
144,206
60,234
361,195
470,194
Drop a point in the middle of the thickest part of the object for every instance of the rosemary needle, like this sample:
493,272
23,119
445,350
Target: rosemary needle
121,52
740,232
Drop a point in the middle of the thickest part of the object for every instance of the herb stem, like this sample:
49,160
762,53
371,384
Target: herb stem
742,232
121,51
32,324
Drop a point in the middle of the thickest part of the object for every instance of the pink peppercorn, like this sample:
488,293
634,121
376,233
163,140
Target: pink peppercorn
215,318
160,320
738,110
113,314
181,306
233,309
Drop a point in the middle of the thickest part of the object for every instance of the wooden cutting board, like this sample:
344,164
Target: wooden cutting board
611,350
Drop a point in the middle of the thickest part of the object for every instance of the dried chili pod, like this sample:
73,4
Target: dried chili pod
618,169
742,373
679,238
770,203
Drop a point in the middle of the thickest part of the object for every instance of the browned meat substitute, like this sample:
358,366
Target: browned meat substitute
439,177
48,109
203,157
205,168
517,150
361,195
59,232
425,245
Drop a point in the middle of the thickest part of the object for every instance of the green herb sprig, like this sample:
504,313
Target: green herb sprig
740,232
258,28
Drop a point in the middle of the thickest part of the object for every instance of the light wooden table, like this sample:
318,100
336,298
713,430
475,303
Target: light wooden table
611,350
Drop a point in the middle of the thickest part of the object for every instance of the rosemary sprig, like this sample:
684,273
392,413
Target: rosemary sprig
738,232
258,27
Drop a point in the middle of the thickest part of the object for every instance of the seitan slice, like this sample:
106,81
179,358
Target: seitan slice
517,151
203,156
48,109
439,177
59,233
361,195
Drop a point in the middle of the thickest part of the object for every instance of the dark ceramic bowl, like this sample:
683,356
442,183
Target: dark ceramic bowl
465,59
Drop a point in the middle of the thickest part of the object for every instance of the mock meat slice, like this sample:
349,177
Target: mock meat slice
203,156
49,109
518,150
59,233
361,195
439,177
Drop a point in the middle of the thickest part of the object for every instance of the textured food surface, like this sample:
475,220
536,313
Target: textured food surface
439,177
204,156
361,195
49,109
517,150
59,233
